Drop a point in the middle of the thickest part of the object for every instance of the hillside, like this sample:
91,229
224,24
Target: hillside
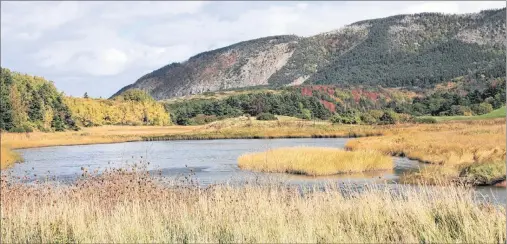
31,103
417,50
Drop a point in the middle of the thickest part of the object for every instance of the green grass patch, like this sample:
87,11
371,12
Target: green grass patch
484,173
495,114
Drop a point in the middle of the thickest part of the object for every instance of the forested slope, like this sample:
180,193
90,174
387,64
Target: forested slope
33,103
417,50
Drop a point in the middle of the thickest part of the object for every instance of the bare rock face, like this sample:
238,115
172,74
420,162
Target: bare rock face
244,64
395,51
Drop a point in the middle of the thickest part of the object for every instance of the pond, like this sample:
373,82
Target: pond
211,161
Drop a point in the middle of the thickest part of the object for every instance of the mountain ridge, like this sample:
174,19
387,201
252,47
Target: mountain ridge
402,50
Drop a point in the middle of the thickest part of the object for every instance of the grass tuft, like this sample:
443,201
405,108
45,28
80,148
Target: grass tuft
314,161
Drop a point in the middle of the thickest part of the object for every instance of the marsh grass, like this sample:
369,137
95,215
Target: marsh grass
449,147
91,135
8,157
284,127
314,161
132,206
484,173
443,144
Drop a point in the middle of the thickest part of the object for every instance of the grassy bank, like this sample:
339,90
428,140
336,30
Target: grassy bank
8,157
314,161
495,114
451,146
285,127
483,173
128,208
92,135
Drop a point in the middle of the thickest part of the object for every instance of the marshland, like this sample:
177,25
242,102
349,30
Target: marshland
391,173
388,130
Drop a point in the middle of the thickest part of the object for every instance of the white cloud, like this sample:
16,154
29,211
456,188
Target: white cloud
101,46
453,7
32,22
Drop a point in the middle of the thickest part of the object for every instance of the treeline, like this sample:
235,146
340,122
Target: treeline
31,102
349,105
283,103
457,102
133,107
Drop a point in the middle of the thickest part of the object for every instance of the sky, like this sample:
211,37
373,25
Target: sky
99,47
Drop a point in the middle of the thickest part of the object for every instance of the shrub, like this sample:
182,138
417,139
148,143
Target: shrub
89,123
367,118
377,114
201,119
266,116
389,117
481,108
57,123
306,114
425,120
22,129
405,118
348,118
460,110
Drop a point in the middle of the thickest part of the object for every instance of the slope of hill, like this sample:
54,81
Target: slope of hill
249,63
30,103
404,50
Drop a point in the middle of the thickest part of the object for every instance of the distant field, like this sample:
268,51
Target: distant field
497,113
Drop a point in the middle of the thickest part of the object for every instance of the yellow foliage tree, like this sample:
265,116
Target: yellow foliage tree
93,112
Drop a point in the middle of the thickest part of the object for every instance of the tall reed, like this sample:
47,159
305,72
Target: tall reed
127,207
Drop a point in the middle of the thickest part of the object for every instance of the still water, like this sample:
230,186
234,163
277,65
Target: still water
211,161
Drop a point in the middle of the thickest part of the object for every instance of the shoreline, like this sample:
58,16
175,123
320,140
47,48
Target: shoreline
392,140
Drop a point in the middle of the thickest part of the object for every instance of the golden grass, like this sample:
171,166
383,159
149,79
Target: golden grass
285,127
450,146
314,161
447,144
8,157
92,135
135,207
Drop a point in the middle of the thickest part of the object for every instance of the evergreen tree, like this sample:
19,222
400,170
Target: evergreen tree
6,120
